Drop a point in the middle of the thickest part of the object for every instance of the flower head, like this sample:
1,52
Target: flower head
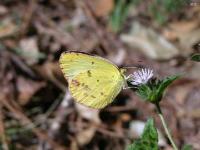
141,77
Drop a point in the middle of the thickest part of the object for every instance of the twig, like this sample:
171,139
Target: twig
118,108
51,29
18,62
25,120
99,31
62,111
108,40
27,17
44,117
54,80
2,131
110,133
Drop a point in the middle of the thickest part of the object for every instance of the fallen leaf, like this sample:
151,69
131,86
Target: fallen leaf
149,42
88,113
186,33
184,26
3,10
103,7
29,50
7,28
51,71
27,88
194,72
188,40
85,136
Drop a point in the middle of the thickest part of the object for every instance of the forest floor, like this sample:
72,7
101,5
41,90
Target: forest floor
36,109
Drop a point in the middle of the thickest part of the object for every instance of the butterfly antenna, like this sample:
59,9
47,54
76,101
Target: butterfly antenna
130,67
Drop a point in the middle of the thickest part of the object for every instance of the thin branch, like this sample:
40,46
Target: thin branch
25,120
2,131
61,113
108,40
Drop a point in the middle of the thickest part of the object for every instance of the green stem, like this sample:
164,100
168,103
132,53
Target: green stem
165,126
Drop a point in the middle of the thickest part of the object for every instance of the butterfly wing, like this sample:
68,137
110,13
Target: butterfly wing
93,81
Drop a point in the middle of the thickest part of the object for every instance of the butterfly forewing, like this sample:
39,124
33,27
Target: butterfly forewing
93,81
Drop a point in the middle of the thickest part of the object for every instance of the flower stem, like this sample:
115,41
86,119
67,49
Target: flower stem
165,126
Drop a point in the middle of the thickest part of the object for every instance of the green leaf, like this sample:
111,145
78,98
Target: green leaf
164,84
148,140
153,91
119,14
144,92
187,147
162,10
196,57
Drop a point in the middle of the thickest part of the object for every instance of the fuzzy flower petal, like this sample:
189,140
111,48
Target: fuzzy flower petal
141,77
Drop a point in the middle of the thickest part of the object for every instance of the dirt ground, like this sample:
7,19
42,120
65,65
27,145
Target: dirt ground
36,109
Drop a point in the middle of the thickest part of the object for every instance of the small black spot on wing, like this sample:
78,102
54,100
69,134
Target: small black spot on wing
85,94
89,73
93,96
75,83
86,87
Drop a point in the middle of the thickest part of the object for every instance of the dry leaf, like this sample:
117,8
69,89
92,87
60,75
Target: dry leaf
103,7
86,135
29,50
7,28
186,32
88,113
149,42
51,71
188,40
184,26
3,10
27,88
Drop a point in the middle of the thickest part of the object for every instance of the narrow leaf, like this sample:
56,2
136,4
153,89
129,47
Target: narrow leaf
165,83
196,57
187,147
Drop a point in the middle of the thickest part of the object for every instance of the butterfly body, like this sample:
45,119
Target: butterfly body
93,81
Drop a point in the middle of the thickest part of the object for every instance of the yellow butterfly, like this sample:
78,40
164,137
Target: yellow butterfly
93,81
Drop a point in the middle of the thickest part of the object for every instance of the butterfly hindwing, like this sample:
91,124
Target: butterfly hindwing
97,91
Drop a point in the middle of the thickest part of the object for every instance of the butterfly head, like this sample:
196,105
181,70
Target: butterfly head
122,70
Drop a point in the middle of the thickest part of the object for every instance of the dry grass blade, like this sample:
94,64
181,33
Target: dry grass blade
62,111
2,131
42,135
108,40
28,17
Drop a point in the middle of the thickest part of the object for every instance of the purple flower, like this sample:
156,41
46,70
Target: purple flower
141,76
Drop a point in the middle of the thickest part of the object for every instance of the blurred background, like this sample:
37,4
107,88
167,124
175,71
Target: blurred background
36,110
